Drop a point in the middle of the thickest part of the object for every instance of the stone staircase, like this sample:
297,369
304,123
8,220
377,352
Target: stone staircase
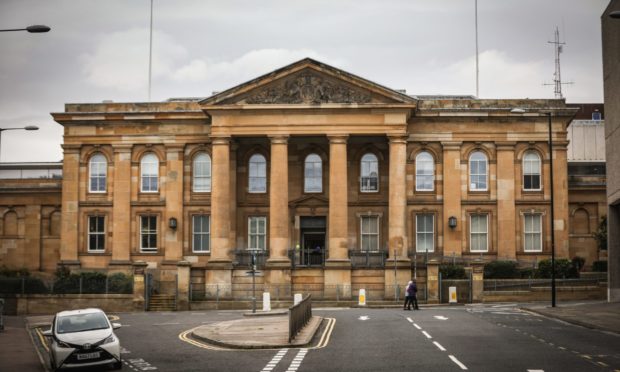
160,302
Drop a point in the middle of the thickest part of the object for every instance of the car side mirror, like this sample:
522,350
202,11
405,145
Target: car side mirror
47,333
116,325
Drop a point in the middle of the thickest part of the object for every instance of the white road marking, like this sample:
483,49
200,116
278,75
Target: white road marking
409,319
457,362
417,326
426,334
275,360
505,305
140,364
440,317
171,323
439,346
364,317
297,360
535,370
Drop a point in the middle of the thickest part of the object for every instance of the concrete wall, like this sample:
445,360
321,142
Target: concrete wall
51,304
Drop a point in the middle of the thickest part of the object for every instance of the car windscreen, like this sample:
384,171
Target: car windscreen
81,323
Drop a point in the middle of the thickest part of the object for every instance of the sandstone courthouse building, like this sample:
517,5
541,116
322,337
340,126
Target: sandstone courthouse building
333,179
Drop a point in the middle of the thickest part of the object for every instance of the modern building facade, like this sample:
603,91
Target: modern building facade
332,179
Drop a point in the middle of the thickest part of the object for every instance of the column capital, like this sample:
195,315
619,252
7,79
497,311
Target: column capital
174,147
220,140
505,146
451,145
279,139
122,148
338,138
397,138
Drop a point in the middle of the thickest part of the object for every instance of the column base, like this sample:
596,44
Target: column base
337,263
219,264
218,280
70,264
337,280
400,263
278,263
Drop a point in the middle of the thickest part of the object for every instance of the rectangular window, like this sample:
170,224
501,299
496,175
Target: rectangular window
479,233
257,233
148,233
96,234
532,232
201,233
424,234
369,233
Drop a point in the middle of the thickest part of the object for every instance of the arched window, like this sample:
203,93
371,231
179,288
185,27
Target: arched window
10,224
149,173
54,228
313,174
202,173
478,171
369,180
424,172
531,171
257,181
97,169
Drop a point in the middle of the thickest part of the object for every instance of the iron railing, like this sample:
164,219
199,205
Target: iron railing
75,284
298,316
528,284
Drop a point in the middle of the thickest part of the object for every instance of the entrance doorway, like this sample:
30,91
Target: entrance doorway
313,250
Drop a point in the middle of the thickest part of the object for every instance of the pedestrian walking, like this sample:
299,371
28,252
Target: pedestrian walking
408,296
414,296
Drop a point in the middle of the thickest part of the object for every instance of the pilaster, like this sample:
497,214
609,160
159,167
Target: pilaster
560,194
397,232
338,202
506,219
220,198
69,221
452,186
121,210
173,237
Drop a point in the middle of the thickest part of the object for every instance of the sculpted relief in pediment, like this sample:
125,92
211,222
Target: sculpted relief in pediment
307,88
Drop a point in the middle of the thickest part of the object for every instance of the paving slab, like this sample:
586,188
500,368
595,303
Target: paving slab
17,352
256,333
599,315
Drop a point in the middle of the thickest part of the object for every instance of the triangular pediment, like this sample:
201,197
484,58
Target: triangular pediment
310,201
308,82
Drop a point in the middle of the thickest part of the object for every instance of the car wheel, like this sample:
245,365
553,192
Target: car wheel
117,365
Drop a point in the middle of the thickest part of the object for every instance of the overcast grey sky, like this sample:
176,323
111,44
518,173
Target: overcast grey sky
98,50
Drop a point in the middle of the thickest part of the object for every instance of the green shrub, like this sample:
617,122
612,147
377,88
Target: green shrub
527,273
120,283
10,273
501,270
564,269
599,266
452,271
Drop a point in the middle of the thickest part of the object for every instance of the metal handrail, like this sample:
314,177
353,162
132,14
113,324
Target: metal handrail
298,316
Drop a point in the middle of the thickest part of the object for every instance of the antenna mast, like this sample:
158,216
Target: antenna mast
557,77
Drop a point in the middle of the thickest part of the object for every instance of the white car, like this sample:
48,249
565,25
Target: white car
82,338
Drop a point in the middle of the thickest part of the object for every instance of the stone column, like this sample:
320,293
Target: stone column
506,219
69,221
432,282
397,231
33,255
139,268
121,209
560,194
183,285
219,267
173,238
278,203
452,186
338,265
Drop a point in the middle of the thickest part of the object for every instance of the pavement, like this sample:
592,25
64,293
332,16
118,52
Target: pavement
17,352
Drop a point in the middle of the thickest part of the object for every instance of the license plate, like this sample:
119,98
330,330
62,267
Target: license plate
88,356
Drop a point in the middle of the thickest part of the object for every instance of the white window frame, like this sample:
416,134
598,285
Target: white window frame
471,232
314,170
97,170
368,175
98,234
260,235
418,174
472,185
532,174
532,233
368,234
425,232
262,177
203,235
148,232
197,175
148,160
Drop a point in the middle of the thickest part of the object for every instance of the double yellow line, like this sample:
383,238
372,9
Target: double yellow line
184,336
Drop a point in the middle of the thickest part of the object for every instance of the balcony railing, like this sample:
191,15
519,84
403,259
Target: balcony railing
243,258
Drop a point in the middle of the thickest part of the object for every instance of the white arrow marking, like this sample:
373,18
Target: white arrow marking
441,317
363,317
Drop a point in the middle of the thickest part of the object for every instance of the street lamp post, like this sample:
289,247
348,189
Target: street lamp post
29,127
34,29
